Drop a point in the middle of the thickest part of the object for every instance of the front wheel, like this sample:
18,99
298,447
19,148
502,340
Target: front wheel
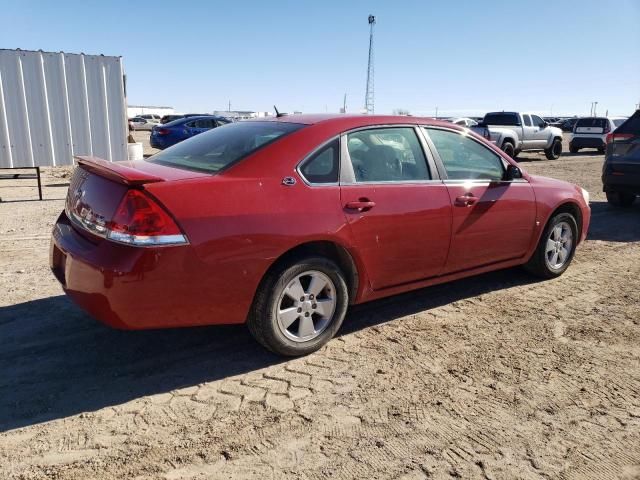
556,247
299,306
554,152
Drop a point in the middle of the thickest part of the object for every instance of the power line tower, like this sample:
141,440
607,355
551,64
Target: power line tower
368,99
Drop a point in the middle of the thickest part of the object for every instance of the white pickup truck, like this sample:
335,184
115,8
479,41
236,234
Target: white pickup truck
517,132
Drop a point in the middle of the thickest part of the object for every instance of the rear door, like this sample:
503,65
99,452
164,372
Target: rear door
492,219
397,209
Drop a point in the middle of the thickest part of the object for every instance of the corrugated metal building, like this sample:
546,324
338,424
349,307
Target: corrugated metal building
57,105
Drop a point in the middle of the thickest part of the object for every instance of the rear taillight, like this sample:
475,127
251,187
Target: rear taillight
162,131
140,221
618,137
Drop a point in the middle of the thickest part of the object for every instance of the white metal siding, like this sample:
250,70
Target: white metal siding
57,105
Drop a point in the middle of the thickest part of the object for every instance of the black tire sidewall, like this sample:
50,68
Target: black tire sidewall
551,152
271,335
506,146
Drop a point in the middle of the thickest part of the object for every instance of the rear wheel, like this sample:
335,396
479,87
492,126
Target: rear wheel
573,149
601,150
554,152
618,199
556,247
299,306
508,148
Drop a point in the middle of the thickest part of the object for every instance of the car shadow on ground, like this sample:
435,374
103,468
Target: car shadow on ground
614,224
56,361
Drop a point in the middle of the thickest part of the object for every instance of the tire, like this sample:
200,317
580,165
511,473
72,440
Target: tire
508,148
542,263
554,152
275,295
618,199
573,149
601,151
516,153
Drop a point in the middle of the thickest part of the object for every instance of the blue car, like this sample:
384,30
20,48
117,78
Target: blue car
163,136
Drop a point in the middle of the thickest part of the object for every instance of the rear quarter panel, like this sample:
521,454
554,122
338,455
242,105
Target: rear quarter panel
239,222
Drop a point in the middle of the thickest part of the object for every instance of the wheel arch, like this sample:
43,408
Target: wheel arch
571,208
328,249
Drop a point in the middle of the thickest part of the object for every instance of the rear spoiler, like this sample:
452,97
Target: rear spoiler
116,171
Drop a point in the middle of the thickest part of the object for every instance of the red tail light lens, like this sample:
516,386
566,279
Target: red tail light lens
618,137
163,131
139,220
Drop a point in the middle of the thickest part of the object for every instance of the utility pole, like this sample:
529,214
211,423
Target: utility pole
344,103
436,113
368,99
229,106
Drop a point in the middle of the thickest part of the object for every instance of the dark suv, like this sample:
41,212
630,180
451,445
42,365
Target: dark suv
621,170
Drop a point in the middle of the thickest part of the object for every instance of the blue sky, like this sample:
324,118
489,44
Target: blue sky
465,57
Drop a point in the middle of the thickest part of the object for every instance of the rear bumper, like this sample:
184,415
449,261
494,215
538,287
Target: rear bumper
627,183
587,142
139,288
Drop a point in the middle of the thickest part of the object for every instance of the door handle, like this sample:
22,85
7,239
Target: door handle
361,205
466,200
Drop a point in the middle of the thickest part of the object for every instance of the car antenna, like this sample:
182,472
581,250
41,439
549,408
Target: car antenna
278,114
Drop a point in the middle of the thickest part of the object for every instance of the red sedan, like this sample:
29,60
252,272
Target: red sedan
283,223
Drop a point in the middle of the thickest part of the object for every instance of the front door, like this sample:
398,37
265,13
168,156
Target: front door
540,133
493,219
399,213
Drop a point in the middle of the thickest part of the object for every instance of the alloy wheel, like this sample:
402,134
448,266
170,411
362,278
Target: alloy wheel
559,245
306,306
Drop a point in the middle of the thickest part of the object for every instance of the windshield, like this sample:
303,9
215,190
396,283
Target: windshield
220,147
501,119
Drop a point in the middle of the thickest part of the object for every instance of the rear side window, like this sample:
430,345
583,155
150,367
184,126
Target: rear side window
464,158
502,118
323,166
218,148
387,155
527,120
631,125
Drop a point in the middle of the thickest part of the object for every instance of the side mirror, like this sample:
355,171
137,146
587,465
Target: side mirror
512,173
544,125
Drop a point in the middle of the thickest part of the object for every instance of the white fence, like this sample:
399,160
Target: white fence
57,105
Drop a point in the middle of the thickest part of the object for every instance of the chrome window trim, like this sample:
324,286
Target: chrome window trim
346,166
505,163
298,167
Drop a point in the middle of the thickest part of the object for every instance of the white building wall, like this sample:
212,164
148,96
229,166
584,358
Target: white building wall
54,106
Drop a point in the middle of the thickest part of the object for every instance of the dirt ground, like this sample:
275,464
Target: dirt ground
497,377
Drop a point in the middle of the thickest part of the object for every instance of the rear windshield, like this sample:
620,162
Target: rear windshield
501,119
592,122
217,149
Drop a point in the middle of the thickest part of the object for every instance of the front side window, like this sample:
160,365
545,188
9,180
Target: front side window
537,121
464,158
323,166
387,155
218,148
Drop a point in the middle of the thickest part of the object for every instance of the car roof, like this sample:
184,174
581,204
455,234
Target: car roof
353,120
